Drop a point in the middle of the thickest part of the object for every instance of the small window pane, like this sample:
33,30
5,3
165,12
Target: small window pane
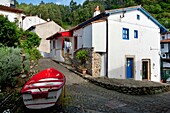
125,33
138,17
162,46
135,33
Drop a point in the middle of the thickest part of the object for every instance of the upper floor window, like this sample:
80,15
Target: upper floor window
125,33
135,33
162,46
138,17
163,37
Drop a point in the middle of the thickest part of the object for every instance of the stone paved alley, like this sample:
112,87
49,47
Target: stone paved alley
85,97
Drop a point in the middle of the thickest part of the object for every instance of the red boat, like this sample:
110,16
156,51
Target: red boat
43,89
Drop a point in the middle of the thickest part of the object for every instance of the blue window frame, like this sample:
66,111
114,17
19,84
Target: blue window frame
138,17
125,34
135,33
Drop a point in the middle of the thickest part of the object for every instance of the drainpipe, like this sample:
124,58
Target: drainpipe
107,46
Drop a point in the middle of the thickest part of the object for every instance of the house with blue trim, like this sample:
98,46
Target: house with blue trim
128,40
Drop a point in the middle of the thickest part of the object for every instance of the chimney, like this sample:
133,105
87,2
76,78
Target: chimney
97,11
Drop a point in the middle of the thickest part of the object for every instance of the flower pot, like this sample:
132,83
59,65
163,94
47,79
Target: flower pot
82,70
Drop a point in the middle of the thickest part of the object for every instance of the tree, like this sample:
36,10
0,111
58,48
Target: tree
8,33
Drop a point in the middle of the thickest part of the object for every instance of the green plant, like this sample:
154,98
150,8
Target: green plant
10,65
33,53
8,33
82,56
26,63
29,42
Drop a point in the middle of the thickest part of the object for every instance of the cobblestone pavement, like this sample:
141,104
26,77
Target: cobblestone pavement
85,97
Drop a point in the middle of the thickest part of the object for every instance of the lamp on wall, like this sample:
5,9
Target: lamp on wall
123,14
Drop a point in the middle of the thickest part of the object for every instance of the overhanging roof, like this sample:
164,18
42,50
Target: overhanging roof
165,41
105,14
10,9
140,8
110,12
60,34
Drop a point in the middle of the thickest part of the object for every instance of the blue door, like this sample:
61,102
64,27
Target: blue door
129,68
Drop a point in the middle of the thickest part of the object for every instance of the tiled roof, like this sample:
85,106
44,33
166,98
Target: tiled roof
165,41
10,9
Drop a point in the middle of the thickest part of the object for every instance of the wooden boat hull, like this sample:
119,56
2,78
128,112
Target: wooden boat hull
43,89
41,102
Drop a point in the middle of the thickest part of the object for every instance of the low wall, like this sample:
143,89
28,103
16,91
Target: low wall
132,90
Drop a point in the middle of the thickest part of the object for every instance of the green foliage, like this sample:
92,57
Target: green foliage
29,42
33,53
26,63
8,33
10,65
82,56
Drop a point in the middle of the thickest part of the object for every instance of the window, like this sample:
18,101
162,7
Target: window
125,34
138,17
162,46
135,33
163,37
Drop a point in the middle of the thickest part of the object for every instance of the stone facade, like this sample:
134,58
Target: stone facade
93,63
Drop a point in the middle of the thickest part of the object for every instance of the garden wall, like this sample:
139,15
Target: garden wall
93,63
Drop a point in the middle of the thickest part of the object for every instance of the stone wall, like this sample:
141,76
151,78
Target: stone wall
96,64
131,90
93,63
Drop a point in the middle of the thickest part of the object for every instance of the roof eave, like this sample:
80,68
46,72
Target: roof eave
140,8
102,15
162,28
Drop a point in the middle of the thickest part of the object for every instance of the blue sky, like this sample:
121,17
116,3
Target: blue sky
65,2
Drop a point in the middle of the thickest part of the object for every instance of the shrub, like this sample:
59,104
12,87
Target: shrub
11,65
82,56
29,42
33,53
26,63
8,33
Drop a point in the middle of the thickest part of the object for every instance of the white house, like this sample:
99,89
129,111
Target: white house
29,21
165,45
59,44
128,40
45,30
165,51
9,3
12,14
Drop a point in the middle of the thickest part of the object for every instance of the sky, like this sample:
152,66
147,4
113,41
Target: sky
63,2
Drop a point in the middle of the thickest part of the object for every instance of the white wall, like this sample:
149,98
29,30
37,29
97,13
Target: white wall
165,49
148,37
11,15
167,35
57,52
31,20
7,2
99,36
84,37
103,64
87,36
165,64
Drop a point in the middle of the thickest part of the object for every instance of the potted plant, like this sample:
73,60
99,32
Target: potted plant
82,56
165,76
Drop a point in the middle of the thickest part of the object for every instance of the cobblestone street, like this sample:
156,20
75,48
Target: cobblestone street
85,97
